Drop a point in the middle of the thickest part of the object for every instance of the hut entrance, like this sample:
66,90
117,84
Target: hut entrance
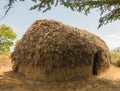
95,62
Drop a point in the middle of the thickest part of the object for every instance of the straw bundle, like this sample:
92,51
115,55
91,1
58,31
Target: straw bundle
51,51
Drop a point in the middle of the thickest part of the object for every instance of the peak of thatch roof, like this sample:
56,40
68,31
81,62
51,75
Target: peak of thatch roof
52,45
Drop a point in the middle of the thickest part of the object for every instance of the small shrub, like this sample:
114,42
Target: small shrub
116,59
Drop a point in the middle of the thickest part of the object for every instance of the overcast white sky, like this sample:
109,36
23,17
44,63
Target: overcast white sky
20,18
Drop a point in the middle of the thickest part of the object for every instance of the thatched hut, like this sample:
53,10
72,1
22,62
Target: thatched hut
52,51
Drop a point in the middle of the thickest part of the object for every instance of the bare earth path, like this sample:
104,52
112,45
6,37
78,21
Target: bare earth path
9,81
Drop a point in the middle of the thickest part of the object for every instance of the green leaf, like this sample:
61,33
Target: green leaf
6,38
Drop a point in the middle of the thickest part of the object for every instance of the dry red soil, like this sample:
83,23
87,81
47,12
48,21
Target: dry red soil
9,81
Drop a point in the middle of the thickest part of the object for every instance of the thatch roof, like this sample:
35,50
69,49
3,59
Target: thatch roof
51,45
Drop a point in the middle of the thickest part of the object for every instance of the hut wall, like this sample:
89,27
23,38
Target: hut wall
59,74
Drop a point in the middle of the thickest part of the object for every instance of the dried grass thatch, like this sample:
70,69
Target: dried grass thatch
50,50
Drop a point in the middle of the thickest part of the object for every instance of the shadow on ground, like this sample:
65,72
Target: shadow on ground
9,81
15,82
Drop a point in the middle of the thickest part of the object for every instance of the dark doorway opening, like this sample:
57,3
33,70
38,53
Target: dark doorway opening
95,63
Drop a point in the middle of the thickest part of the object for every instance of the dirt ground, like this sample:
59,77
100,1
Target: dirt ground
9,81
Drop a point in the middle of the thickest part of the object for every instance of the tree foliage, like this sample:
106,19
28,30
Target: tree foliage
109,9
6,38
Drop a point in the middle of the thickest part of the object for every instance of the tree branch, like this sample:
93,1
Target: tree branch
8,6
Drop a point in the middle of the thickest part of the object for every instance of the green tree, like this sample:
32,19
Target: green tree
109,9
6,38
